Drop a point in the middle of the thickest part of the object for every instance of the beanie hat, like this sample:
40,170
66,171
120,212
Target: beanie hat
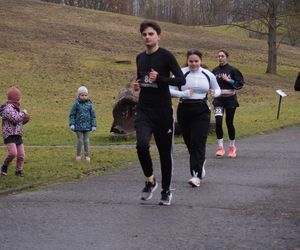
14,94
82,90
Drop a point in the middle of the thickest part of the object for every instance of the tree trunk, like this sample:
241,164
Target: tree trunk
272,44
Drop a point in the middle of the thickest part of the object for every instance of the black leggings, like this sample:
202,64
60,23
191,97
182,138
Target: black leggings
229,112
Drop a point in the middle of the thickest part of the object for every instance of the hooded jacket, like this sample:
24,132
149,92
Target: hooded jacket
12,120
82,115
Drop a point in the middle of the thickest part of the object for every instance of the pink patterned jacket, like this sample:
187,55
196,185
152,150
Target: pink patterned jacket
12,120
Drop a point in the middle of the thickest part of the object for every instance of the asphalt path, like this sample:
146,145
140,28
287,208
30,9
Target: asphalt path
251,202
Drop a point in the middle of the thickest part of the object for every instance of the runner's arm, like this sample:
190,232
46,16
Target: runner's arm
178,78
238,79
213,85
177,93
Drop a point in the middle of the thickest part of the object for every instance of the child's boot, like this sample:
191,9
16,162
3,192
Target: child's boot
19,173
4,170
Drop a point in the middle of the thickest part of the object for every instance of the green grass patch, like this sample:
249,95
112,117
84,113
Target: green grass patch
49,50
49,165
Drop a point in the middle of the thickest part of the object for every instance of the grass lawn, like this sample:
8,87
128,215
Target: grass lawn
49,50
49,165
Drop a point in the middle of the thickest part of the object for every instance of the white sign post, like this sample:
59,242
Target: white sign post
281,94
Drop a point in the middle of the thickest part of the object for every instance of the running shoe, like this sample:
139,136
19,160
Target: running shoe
220,151
78,158
87,159
232,152
4,170
148,190
195,180
166,198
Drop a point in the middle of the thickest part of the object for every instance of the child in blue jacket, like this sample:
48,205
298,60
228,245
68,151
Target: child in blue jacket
82,121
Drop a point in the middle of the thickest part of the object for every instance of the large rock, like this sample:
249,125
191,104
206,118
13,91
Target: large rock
124,112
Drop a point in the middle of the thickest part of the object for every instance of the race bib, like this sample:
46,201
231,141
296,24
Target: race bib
219,111
146,82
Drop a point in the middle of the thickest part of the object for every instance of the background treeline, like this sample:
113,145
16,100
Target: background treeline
189,12
209,12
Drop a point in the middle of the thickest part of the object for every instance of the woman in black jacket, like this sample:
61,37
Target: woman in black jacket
229,79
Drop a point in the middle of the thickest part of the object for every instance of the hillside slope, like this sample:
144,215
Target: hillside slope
49,50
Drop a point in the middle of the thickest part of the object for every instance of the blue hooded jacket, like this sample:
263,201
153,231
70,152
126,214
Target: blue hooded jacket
82,115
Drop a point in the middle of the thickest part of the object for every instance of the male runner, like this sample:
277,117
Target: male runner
154,110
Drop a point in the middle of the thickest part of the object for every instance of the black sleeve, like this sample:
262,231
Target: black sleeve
178,79
137,70
239,79
297,83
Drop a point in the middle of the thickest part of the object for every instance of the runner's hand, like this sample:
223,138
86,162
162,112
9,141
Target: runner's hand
225,77
153,75
188,92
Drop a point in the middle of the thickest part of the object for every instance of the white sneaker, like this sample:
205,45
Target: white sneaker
195,181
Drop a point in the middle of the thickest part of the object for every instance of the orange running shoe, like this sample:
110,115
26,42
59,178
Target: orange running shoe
220,151
232,152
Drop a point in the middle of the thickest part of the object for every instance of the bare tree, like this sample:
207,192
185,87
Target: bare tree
292,33
272,10
262,17
290,23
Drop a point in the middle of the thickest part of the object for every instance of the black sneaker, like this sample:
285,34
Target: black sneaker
148,190
19,173
166,197
4,170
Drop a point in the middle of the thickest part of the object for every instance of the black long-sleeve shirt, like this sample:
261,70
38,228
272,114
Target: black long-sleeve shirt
157,94
233,73
297,83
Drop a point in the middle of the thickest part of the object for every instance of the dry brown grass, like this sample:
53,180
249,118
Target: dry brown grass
50,50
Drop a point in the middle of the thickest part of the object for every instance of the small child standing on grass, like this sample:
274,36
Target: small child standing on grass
82,121
12,130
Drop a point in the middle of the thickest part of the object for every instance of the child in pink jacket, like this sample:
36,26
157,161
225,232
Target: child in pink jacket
12,130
